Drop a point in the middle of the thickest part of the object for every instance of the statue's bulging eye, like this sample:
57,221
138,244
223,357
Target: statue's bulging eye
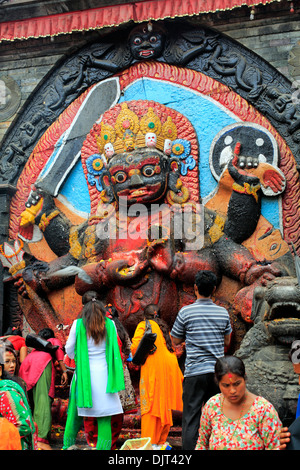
153,39
137,41
148,170
120,177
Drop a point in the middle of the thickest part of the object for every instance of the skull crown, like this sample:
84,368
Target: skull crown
131,132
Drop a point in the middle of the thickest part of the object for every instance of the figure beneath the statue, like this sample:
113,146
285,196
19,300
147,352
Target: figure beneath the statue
14,406
94,399
38,372
148,235
161,379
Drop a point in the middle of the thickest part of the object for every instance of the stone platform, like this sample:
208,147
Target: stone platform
130,430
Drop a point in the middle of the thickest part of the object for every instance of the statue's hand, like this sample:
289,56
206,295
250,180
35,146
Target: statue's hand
33,206
178,265
32,276
20,285
160,255
263,273
274,180
34,273
268,175
123,271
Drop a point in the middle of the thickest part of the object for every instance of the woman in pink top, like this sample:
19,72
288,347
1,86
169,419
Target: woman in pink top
236,419
14,336
38,371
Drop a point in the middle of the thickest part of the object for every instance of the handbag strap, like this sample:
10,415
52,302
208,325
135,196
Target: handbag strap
149,329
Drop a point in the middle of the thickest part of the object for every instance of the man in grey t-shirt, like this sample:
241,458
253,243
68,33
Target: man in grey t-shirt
205,328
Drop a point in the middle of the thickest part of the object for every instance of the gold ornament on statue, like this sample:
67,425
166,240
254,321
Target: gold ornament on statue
131,132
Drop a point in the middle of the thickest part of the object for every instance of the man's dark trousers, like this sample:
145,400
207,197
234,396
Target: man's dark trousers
197,389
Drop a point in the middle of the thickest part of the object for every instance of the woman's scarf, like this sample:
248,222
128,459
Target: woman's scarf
115,381
80,390
83,376
11,387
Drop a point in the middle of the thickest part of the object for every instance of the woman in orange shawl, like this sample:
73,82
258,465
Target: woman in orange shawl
9,436
160,380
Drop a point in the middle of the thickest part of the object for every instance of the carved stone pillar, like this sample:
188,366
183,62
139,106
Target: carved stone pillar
6,192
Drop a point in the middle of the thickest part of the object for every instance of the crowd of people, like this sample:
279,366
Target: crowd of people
218,411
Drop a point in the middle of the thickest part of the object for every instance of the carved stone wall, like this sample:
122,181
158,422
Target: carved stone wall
277,42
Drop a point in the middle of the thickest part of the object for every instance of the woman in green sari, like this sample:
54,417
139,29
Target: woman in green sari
98,376
15,408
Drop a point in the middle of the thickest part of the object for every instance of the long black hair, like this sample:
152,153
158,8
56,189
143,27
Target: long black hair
113,314
151,312
93,316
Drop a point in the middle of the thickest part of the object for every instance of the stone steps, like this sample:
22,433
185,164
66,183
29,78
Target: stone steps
131,425
130,430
